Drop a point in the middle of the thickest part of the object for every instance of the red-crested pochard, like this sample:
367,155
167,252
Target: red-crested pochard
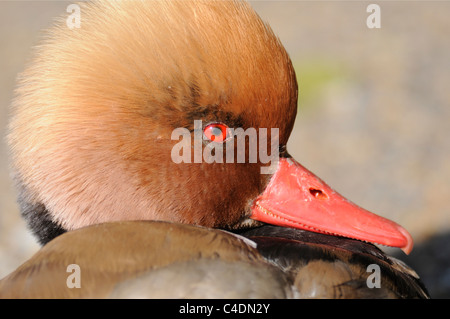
107,186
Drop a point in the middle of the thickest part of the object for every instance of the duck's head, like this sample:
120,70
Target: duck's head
106,114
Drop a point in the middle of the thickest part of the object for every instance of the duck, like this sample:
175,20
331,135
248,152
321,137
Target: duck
139,147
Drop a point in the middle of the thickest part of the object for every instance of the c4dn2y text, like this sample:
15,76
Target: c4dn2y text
246,308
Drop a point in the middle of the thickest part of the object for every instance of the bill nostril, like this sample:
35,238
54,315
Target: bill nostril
317,193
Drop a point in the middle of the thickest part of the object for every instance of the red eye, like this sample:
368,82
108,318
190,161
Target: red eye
216,132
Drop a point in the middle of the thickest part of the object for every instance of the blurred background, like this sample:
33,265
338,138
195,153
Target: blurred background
373,120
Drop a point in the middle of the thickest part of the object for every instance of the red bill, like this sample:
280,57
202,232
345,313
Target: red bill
297,198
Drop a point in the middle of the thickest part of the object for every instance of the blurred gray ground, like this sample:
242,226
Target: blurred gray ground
374,112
